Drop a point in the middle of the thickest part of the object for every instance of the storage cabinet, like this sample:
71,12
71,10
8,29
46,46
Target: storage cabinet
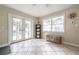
54,38
58,40
38,31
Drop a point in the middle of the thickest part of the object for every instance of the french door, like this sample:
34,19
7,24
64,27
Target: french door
21,29
27,29
16,29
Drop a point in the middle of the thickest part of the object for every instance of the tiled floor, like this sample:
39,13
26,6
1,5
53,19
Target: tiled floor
42,47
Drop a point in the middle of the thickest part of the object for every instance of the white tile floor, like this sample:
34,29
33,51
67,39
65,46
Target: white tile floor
42,47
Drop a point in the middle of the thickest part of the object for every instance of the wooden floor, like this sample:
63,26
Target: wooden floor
42,47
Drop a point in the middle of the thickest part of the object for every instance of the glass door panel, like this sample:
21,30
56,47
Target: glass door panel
28,30
17,29
21,29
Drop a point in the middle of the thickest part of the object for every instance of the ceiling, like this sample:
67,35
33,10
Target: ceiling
39,10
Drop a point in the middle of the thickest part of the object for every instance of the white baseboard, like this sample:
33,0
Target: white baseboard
68,43
4,45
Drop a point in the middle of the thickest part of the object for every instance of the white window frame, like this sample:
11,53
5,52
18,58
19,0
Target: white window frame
46,27
58,30
51,18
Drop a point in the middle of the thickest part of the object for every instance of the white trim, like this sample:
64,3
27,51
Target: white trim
68,43
4,45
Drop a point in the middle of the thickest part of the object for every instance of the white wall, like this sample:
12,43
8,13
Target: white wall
71,31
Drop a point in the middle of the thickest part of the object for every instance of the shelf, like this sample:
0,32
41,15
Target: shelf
38,31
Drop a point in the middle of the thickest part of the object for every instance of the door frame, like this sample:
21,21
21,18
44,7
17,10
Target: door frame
10,27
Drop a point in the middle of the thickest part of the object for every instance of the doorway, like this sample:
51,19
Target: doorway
20,29
16,29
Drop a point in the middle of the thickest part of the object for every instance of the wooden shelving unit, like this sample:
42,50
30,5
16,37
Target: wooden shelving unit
38,31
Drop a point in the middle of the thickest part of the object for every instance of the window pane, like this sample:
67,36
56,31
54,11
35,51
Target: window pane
47,25
57,24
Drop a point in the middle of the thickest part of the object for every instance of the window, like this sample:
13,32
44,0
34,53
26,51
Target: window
47,25
54,24
57,24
